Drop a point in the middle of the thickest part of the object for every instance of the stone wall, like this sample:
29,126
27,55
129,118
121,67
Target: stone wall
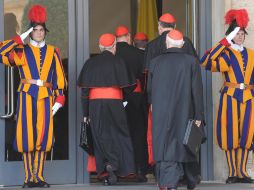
220,164
16,7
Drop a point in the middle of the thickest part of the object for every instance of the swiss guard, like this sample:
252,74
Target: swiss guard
234,127
40,94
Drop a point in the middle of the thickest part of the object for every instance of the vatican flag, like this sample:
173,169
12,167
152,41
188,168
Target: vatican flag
147,18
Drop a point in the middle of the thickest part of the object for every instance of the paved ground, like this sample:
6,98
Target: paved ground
147,186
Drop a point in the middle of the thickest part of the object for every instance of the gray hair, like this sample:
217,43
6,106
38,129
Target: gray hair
105,48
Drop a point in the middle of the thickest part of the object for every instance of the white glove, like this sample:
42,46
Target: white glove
198,123
25,34
232,34
56,107
125,103
86,119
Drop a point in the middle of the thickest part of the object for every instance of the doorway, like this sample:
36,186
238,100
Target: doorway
192,18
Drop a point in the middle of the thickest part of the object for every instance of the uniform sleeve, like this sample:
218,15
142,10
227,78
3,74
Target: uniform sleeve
216,59
85,101
10,52
197,92
59,79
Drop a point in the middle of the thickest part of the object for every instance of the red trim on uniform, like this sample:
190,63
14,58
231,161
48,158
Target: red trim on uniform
11,57
225,42
138,88
105,93
60,100
20,54
18,40
149,139
207,51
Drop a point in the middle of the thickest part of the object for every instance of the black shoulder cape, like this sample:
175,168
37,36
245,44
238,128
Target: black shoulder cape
105,70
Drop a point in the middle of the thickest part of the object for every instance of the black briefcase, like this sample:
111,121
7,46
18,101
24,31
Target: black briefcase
86,140
194,137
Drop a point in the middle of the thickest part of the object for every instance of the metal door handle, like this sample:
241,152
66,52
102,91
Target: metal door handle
10,94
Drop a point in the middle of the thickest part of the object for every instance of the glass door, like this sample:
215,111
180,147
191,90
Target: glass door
62,158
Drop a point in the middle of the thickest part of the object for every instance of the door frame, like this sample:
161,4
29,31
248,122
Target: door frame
205,41
82,54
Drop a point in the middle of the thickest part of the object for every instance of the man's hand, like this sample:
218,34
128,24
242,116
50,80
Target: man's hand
25,34
232,34
56,107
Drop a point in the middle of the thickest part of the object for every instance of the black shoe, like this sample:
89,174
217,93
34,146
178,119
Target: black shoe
191,187
42,184
29,184
141,177
245,180
232,180
182,182
105,181
111,179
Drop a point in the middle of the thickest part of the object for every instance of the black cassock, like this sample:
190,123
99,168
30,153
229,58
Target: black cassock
158,46
135,111
176,94
112,142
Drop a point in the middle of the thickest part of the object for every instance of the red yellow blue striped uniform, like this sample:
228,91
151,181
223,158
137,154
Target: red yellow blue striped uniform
34,131
234,126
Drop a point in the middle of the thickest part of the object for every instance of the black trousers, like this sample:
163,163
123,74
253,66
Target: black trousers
168,173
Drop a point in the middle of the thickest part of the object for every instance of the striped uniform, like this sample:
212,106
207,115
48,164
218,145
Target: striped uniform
234,126
34,131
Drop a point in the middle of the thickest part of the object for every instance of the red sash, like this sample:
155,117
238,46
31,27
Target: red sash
106,93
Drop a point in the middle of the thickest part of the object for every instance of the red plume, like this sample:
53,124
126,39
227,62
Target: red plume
37,14
240,15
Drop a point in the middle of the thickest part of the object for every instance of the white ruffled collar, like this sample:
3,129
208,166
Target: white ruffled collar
37,44
237,47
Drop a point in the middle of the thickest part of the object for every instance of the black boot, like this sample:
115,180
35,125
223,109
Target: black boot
232,180
29,184
245,180
191,187
42,184
141,177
